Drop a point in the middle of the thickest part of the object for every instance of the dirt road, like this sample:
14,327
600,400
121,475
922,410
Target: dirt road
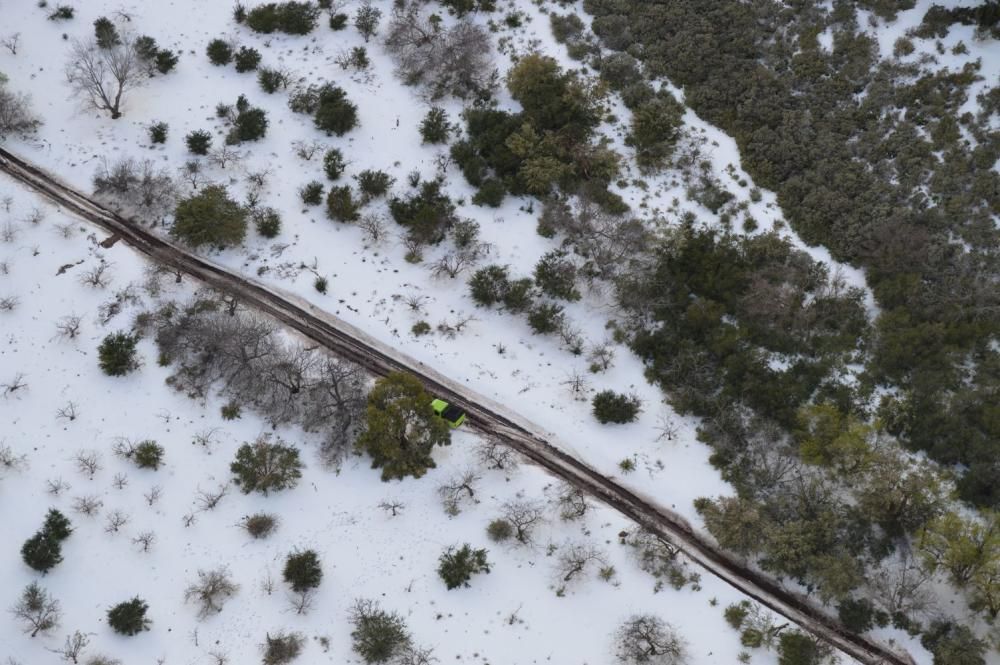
485,415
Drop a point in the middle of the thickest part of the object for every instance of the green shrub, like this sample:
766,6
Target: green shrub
457,566
282,647
566,27
377,636
129,617
117,354
246,59
435,128
263,466
293,18
302,570
312,193
219,51
271,79
341,206
499,530
267,221
148,455
250,123
546,318
57,526
736,613
320,284
520,295
427,215
555,275
490,285
338,21
166,60
612,407
490,193
333,163
210,217
335,114
198,142
41,552
158,132
420,328
373,184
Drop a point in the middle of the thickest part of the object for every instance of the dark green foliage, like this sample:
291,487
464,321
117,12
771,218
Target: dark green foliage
520,295
427,215
117,354
335,114
546,318
158,132
239,12
795,648
857,614
612,407
320,284
341,206
210,217
377,635
249,124
333,163
420,328
463,7
41,552
198,142
166,60
267,220
499,530
106,33
129,617
374,184
457,566
338,21
302,570
282,647
566,27
293,18
401,429
435,128
62,13
366,19
953,644
271,79
146,48
231,410
490,193
260,525
736,613
57,526
555,275
219,51
619,71
148,455
490,285
246,59
264,467
312,193
655,128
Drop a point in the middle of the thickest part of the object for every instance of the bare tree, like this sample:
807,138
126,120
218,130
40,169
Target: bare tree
225,156
153,495
11,42
457,488
88,505
88,462
206,438
571,501
307,149
211,591
601,356
374,228
9,303
901,586
578,385
208,500
302,601
219,657
574,559
16,116
14,385
495,454
119,481
114,521
524,516
145,540
72,649
393,506
69,326
452,264
102,77
98,276
36,609
648,639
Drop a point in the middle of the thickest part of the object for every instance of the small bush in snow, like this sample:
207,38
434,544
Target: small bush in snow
366,19
210,217
491,193
490,285
338,21
260,525
57,525
312,193
293,18
271,80
612,407
457,566
321,284
41,552
62,13
219,52
374,184
37,610
246,59
333,163
198,142
263,466
158,132
16,117
282,648
378,636
117,354
302,571
335,114
129,617
249,123
435,128
148,455
267,221
499,530
341,206
546,318
106,33
555,275
211,591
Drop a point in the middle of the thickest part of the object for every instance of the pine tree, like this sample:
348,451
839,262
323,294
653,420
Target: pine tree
401,428
57,525
129,617
41,552
302,570
457,566
263,466
117,354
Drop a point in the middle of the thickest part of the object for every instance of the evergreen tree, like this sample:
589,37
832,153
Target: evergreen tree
401,428
198,142
263,466
41,552
219,52
210,217
435,128
106,33
57,525
612,407
129,617
117,354
335,114
302,570
333,163
457,566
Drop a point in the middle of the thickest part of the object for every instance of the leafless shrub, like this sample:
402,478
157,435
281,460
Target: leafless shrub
654,555
575,558
36,609
494,454
415,302
225,156
16,116
88,462
153,495
211,591
414,655
901,586
9,303
601,357
219,657
456,61
134,186
267,583
69,412
457,489
65,230
571,338
206,438
56,486
523,516
454,327
88,505
14,385
97,277
392,506
145,540
119,481
578,385
11,42
69,326
189,519
9,231
35,216
374,228
102,77
451,265
208,500
307,149
72,649
571,501
302,601
667,428
114,521
4,267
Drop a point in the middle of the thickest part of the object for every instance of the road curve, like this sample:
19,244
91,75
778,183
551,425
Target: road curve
485,415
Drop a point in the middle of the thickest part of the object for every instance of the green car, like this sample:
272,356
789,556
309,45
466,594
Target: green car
453,415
